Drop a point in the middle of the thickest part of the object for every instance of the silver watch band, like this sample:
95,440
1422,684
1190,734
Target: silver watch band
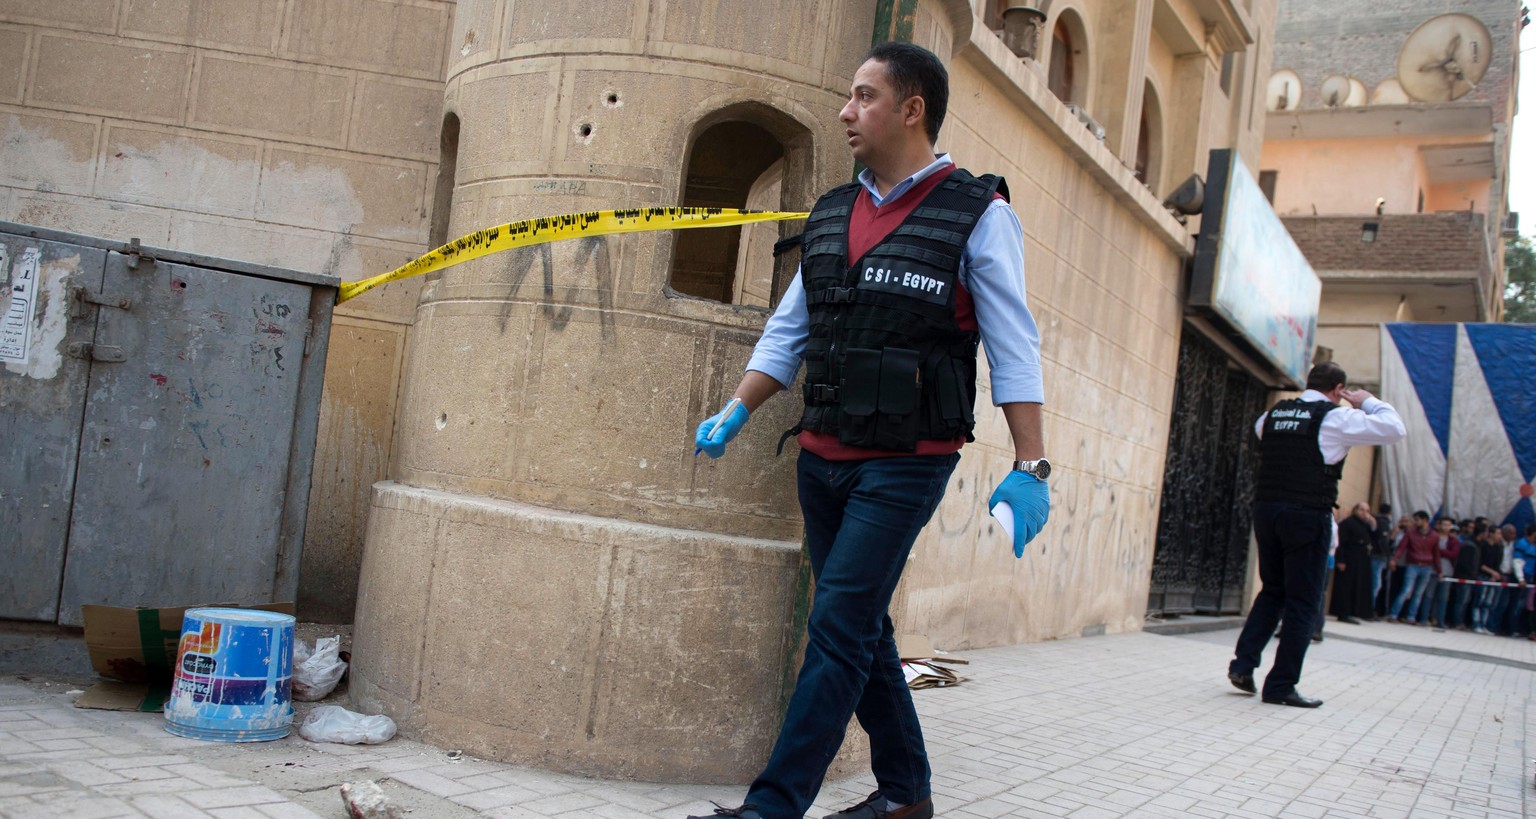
1040,468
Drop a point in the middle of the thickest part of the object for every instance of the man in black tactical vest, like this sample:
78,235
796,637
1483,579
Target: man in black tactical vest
902,275
1303,444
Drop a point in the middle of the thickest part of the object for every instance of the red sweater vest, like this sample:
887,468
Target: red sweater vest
867,227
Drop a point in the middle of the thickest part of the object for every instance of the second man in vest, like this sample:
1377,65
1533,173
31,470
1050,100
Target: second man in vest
1303,442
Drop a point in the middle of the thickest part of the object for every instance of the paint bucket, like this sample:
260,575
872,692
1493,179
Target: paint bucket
234,672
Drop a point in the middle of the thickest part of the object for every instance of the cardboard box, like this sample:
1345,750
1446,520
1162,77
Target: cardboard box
136,649
920,663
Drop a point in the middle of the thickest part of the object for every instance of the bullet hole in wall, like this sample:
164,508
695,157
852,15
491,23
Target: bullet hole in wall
611,99
442,421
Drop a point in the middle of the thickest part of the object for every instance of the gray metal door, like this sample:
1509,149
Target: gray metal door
188,430
42,396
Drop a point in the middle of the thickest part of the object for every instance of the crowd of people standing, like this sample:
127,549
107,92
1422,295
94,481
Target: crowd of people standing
1468,574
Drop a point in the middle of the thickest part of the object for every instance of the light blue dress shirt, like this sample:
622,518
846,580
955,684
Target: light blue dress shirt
992,269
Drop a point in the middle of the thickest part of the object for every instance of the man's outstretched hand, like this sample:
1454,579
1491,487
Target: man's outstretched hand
713,445
1030,500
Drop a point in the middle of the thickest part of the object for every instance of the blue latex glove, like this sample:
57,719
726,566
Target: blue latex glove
714,445
1030,500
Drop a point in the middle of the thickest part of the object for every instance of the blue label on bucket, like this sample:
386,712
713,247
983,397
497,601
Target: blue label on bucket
233,674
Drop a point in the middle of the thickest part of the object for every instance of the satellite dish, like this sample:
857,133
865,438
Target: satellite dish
1358,96
1390,92
1444,58
1340,91
1335,91
1284,91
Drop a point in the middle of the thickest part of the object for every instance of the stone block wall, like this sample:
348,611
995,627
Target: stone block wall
1104,267
295,133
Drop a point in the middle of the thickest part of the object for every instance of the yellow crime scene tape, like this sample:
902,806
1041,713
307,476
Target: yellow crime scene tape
569,226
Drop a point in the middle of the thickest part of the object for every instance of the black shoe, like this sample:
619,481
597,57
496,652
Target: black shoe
1294,699
867,810
1350,620
747,811
1317,636
1242,682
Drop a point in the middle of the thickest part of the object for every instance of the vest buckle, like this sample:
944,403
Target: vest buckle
833,295
820,394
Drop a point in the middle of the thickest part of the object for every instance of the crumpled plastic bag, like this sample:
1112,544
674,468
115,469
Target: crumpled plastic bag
315,674
332,723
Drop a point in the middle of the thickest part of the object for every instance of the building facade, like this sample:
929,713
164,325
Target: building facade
1387,155
548,576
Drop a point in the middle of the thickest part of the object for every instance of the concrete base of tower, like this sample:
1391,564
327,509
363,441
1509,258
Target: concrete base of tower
590,645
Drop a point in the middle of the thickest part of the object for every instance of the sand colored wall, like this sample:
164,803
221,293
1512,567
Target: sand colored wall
1471,194
1103,268
1347,175
1355,484
297,133
1350,324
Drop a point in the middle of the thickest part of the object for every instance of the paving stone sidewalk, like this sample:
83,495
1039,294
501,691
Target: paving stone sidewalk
1417,724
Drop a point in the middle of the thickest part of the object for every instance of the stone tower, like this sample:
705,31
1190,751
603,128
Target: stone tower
552,577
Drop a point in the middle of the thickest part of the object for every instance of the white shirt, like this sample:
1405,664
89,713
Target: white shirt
1374,423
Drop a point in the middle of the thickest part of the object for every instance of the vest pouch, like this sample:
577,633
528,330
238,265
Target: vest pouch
877,399
950,390
859,389
900,385
858,396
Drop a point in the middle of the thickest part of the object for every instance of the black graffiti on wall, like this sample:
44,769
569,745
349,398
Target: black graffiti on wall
592,267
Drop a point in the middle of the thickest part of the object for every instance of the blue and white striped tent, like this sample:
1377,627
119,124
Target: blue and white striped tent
1467,393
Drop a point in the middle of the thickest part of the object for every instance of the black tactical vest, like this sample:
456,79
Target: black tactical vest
1291,468
886,363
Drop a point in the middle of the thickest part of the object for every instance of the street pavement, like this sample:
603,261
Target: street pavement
1417,723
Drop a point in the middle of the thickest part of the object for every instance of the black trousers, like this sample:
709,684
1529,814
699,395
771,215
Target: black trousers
1293,569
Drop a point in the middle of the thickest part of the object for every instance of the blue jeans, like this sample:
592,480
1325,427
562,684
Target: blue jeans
1293,568
1483,605
861,518
1498,610
1460,597
1441,598
1416,580
1517,619
1378,570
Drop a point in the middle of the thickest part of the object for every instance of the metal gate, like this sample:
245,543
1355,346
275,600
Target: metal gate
157,425
1203,528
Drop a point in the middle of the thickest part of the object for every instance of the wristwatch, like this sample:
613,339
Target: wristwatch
1040,468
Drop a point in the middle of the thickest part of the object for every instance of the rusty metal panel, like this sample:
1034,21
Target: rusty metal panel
42,396
187,438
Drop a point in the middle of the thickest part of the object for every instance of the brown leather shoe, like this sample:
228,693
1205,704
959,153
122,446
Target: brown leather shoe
867,810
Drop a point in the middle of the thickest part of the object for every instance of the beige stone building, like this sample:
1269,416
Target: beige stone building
1387,155
547,575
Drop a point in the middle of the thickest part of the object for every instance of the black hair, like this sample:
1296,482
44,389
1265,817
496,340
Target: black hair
915,71
1384,509
1421,514
1325,377
1530,529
